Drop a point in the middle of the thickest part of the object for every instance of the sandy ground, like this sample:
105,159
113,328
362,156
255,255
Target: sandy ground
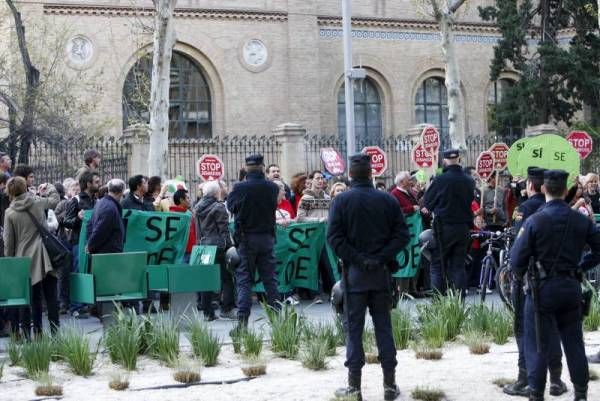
462,376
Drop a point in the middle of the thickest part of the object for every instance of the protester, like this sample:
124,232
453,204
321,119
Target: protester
91,158
73,220
274,174
578,201
298,185
284,214
181,204
5,164
135,199
591,193
105,230
214,230
314,204
404,194
155,192
4,204
26,172
22,238
253,203
493,205
336,189
63,234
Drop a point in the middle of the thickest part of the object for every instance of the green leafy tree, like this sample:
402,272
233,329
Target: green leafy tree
558,75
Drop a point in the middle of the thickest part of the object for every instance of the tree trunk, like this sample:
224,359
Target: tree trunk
457,137
26,131
164,40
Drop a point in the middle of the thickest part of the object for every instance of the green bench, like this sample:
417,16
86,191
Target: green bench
15,282
112,277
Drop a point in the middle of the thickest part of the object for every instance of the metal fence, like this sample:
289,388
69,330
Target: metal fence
184,153
53,161
398,150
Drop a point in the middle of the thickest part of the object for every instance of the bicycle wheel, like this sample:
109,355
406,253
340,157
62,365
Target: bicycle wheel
485,277
504,283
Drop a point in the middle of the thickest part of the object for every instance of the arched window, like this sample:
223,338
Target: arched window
497,90
368,127
431,104
189,97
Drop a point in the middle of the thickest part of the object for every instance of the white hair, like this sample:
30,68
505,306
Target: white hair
280,184
211,188
116,186
401,176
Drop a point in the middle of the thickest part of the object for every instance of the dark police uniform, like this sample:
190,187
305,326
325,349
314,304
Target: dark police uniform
555,237
254,202
367,230
557,387
449,198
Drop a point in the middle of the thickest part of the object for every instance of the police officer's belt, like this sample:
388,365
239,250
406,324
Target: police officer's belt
565,273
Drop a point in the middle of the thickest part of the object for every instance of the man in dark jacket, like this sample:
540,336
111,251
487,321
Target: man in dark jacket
449,198
138,186
105,230
367,231
254,202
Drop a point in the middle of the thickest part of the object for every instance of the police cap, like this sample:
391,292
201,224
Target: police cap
556,177
360,160
255,160
535,172
451,153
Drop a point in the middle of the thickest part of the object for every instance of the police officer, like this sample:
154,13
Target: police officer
555,237
367,230
535,200
253,202
449,198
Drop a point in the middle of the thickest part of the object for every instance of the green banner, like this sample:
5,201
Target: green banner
163,235
410,257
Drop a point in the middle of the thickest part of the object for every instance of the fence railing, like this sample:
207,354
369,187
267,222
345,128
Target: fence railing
53,161
398,150
184,154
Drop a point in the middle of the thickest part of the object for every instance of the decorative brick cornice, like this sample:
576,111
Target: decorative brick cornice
390,23
127,11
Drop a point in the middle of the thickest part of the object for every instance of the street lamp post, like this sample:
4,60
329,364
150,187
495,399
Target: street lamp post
348,75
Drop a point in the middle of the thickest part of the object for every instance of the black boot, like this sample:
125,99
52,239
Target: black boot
390,389
557,386
353,390
580,393
536,397
520,387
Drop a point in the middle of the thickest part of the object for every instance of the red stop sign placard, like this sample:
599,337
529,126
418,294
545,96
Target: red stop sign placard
582,142
333,161
210,168
430,138
421,156
500,153
485,165
378,159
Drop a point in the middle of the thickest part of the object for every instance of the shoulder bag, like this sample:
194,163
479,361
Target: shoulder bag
58,252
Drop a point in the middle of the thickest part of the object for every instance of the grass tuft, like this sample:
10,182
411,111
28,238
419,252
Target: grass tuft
401,328
502,327
187,371
14,350
592,320
423,351
252,343
36,356
477,342
119,380
124,338
503,382
314,353
286,329
74,348
427,394
205,344
163,340
254,366
47,388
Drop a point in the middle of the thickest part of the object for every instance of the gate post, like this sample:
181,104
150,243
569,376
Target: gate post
138,137
293,152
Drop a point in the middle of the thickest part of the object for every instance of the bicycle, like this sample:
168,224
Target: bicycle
488,264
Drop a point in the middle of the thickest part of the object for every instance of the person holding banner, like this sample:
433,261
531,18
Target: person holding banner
449,198
367,230
492,202
254,202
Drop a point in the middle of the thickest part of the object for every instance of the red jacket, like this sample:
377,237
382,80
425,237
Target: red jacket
192,237
407,202
287,206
